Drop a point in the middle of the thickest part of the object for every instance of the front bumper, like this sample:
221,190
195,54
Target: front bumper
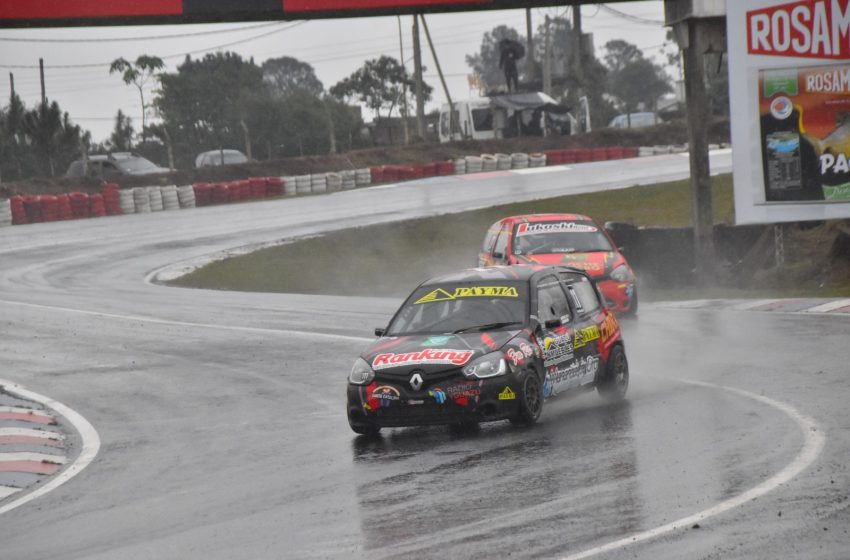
388,404
619,295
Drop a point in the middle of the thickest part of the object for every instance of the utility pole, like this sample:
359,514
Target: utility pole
578,71
11,85
417,70
440,73
41,74
547,60
403,86
529,42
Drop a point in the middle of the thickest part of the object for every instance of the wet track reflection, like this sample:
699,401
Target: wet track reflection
586,474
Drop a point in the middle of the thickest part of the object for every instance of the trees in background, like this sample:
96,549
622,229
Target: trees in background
138,73
633,79
121,139
485,63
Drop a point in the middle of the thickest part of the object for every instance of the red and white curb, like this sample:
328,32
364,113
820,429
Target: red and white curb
43,464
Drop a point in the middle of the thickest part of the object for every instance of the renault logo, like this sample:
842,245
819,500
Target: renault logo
416,381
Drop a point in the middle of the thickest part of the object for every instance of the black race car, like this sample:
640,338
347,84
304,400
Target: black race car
488,344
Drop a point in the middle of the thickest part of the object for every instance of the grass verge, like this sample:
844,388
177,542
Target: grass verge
391,259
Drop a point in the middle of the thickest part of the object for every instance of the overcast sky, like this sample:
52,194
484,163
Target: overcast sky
77,59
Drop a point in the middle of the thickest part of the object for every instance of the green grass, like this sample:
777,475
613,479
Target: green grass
391,259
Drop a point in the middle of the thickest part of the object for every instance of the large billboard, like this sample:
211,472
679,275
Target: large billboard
789,84
44,13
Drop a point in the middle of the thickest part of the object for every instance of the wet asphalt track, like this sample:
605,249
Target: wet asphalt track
224,435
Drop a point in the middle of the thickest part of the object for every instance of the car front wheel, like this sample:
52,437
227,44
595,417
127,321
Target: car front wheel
615,381
530,401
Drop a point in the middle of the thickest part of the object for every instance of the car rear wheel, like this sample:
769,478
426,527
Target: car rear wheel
615,382
530,401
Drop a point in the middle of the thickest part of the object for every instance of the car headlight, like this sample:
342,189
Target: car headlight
361,373
622,274
489,365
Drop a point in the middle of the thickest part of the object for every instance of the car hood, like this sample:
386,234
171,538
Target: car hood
432,353
154,171
596,263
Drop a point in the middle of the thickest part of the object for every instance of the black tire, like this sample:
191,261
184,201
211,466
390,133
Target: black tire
530,401
363,428
614,383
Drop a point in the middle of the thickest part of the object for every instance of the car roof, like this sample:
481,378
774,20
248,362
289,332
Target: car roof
546,217
517,272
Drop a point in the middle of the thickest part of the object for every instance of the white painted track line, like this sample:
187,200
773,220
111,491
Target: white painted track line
22,410
813,442
89,447
28,432
37,457
6,491
829,306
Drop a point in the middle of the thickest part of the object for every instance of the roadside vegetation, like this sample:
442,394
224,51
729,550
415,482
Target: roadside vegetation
390,259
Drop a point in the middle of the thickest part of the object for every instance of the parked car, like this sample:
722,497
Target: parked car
568,239
114,165
482,345
214,158
635,120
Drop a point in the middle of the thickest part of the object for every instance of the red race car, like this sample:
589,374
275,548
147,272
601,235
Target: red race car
567,239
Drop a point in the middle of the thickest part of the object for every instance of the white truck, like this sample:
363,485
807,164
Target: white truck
505,116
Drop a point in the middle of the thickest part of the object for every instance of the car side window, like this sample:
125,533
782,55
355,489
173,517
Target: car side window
552,301
584,296
501,243
489,239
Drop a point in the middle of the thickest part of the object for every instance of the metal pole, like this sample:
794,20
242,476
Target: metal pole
41,74
417,70
440,73
697,111
577,45
403,85
529,41
11,85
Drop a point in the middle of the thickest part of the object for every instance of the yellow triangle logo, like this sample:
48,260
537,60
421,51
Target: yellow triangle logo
437,295
507,395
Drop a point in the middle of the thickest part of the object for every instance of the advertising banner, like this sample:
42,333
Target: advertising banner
789,81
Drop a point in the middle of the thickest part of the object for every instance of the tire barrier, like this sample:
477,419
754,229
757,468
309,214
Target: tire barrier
169,197
186,196
258,187
125,197
318,183
519,161
63,204
460,166
274,186
49,208
445,168
363,177
473,164
349,179
141,200
111,199
32,207
537,159
155,199
389,174
79,205
19,214
97,208
488,162
5,212
334,182
303,184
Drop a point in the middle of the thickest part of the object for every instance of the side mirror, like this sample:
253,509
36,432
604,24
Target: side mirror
553,323
498,256
379,331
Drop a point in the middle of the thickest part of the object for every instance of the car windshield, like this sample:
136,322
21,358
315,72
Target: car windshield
561,236
462,307
135,165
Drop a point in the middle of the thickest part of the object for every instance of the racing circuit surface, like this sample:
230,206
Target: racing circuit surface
223,432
